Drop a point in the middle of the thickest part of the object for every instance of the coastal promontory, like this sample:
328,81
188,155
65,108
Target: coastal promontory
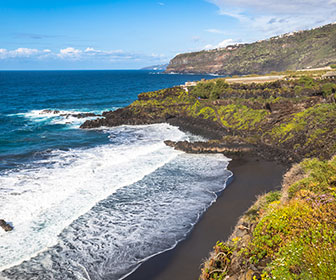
291,51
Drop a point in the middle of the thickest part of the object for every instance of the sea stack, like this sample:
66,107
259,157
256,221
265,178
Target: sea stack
5,226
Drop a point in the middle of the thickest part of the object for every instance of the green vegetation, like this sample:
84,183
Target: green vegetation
328,89
314,125
301,50
210,90
297,116
307,81
293,232
241,117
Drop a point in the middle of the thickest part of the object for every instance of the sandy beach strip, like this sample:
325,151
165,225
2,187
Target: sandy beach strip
252,177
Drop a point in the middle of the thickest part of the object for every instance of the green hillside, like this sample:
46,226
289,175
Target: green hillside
292,51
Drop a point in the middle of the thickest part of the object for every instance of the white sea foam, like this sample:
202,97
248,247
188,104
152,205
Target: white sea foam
136,222
41,202
59,116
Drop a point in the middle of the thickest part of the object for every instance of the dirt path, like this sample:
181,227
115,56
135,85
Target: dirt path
249,80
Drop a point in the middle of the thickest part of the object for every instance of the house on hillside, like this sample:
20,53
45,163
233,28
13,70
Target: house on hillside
188,84
329,75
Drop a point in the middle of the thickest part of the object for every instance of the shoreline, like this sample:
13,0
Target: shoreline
251,177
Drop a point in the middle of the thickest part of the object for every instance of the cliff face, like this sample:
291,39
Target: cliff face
311,48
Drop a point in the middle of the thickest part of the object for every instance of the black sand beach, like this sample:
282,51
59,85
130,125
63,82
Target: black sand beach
252,177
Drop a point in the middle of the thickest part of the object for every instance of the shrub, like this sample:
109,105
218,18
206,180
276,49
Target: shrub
328,89
307,81
210,89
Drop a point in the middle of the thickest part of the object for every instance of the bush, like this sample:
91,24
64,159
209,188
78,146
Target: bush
307,81
328,89
210,89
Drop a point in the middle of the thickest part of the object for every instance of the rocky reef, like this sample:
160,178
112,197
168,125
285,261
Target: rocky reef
297,50
67,115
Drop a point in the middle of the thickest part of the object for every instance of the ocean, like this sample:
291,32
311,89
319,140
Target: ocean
93,204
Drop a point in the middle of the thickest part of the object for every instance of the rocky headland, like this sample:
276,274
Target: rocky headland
286,120
291,51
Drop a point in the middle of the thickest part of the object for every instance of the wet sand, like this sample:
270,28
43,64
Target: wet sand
252,177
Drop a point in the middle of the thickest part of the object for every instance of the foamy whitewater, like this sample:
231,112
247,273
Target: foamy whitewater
96,204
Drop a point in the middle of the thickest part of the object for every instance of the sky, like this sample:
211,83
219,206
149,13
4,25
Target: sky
130,34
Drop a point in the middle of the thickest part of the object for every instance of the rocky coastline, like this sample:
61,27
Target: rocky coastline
278,120
288,121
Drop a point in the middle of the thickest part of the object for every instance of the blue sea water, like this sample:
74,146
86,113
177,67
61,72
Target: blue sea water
92,204
25,131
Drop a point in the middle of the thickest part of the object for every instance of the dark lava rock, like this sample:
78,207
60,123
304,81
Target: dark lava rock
123,116
210,147
78,115
5,226
47,111
81,115
198,126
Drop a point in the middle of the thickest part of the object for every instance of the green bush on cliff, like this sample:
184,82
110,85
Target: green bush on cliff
210,89
322,176
328,89
307,81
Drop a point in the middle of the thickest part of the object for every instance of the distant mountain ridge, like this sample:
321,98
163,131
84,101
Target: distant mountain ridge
291,51
160,67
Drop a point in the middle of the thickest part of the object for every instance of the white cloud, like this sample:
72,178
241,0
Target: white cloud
24,52
3,53
74,54
158,55
216,31
91,50
273,17
221,44
161,3
18,53
70,53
